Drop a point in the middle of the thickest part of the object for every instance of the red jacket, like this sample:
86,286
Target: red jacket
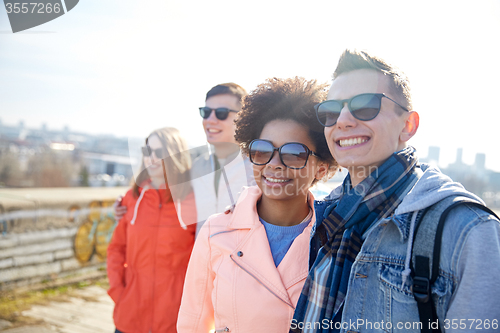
147,261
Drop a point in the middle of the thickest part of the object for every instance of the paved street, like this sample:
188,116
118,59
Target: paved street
90,314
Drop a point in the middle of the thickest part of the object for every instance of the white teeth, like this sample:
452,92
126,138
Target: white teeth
274,180
351,142
213,130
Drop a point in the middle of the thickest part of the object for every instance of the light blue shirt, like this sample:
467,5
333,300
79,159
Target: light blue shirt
281,238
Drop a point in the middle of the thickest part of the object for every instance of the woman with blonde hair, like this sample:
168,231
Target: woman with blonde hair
149,252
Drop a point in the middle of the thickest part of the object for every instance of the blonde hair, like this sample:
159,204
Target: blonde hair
177,162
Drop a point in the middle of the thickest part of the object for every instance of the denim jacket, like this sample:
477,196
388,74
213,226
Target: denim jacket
379,296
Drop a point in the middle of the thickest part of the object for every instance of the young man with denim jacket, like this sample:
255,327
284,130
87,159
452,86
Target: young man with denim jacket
360,277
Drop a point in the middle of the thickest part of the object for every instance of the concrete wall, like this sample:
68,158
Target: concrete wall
53,233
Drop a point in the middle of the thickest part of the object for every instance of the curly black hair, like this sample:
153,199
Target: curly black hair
284,99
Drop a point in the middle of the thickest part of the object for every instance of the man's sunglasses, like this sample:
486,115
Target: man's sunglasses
363,107
293,155
220,113
147,151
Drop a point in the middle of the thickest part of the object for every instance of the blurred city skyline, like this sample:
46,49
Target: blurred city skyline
430,154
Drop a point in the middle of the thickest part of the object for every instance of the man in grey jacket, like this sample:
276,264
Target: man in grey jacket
360,275
219,174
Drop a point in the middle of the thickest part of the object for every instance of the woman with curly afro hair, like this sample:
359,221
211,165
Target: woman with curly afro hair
248,266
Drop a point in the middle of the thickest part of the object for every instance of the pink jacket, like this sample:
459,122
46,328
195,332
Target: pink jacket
232,283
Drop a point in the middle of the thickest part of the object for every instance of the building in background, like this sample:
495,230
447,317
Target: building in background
476,178
40,157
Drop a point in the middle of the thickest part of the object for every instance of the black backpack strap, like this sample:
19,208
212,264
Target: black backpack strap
426,255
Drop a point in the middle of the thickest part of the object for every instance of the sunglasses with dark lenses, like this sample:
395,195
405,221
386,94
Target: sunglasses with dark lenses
220,113
293,155
362,107
147,151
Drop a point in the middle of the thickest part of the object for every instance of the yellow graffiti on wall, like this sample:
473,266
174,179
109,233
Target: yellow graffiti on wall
95,232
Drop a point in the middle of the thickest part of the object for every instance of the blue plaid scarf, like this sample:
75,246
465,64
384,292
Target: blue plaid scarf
339,236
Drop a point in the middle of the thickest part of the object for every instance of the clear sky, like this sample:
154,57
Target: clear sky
126,67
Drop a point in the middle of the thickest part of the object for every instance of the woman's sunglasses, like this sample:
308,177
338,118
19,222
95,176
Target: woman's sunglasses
293,155
220,113
362,107
147,151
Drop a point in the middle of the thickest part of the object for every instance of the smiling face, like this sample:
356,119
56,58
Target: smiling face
362,146
221,130
153,162
278,182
